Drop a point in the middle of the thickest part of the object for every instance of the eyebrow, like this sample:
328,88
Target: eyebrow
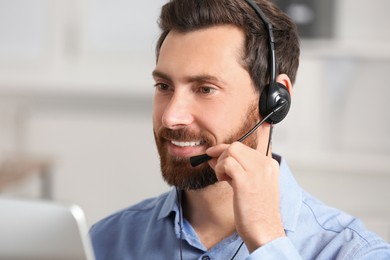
159,74
196,78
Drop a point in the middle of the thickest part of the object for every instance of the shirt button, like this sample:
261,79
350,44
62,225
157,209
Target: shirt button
206,257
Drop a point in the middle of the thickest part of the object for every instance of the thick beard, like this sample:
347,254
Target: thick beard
178,172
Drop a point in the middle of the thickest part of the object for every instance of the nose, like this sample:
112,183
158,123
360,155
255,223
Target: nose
178,113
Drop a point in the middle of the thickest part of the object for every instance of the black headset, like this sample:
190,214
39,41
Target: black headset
274,101
275,97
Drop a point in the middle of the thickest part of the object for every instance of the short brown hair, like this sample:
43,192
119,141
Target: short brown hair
189,15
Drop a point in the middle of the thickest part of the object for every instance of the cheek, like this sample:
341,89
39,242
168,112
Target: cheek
231,116
220,124
230,122
155,121
157,113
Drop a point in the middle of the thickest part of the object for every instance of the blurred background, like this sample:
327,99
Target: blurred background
76,91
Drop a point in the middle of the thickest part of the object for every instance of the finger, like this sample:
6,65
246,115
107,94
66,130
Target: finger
228,169
217,150
215,153
244,155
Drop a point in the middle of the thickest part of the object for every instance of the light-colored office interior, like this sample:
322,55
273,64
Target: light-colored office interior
76,102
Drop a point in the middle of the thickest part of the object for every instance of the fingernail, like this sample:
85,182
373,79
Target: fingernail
210,149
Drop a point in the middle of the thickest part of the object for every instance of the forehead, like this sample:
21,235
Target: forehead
215,50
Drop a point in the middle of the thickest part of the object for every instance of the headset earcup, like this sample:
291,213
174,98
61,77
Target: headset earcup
272,96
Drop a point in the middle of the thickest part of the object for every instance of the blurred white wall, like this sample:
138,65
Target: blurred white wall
75,86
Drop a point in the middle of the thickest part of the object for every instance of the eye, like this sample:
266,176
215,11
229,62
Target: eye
162,87
206,90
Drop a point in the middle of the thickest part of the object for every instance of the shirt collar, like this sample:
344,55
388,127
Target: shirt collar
290,198
170,204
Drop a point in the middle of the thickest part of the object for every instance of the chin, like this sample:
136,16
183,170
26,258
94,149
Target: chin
187,178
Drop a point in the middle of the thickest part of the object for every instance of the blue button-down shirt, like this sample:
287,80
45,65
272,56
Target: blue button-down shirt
151,230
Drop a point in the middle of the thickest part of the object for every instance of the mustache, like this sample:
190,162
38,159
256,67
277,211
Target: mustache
184,135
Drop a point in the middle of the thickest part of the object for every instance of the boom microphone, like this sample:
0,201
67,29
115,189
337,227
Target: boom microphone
199,159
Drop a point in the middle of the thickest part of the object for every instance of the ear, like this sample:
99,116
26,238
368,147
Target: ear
285,80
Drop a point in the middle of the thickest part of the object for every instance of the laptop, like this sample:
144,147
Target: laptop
37,229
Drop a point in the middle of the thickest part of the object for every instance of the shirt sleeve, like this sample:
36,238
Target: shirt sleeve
374,249
280,248
283,248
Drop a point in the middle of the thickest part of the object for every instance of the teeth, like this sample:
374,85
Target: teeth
185,144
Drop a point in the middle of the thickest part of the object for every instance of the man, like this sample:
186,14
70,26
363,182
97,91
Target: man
212,66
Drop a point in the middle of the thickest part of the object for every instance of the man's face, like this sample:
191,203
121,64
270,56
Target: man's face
203,97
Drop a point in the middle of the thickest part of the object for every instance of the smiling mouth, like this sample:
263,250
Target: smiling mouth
186,144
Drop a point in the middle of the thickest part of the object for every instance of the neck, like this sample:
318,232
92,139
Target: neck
210,212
